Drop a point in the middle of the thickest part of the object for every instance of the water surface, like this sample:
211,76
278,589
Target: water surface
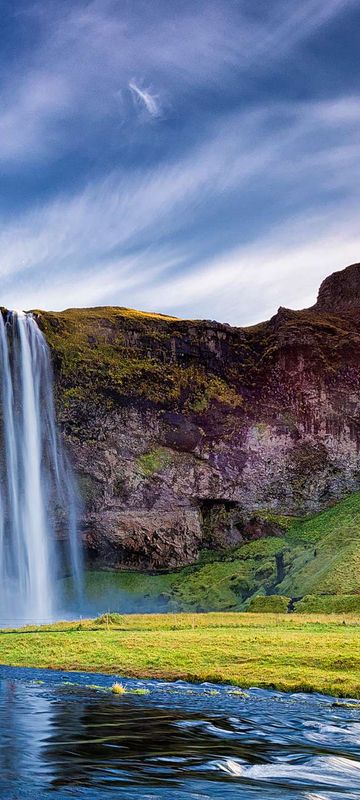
64,735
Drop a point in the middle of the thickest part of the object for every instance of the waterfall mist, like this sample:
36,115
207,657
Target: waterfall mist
38,505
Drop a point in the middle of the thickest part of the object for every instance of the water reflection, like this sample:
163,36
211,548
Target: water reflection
67,738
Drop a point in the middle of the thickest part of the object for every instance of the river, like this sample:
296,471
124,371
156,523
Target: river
65,735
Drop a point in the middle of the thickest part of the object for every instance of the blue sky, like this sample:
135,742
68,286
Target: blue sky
195,158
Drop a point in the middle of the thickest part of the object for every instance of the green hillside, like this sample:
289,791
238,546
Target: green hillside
325,552
315,561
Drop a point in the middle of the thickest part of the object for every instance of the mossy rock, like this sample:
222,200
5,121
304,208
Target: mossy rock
154,461
104,356
329,604
271,604
90,489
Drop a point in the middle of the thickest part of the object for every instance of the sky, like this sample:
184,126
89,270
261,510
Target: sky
199,159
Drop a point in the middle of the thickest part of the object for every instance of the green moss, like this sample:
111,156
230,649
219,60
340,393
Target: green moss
282,521
325,552
272,604
329,604
343,517
261,429
265,571
206,390
73,394
262,548
154,461
198,404
317,556
218,586
208,556
105,354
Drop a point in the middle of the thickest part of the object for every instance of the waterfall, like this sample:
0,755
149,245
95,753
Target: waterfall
38,507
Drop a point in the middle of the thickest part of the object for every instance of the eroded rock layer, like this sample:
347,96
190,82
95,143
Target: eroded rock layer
183,433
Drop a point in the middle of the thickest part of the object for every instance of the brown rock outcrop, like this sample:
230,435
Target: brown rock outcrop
340,291
183,433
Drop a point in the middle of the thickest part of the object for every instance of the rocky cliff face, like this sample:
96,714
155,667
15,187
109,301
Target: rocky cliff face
183,433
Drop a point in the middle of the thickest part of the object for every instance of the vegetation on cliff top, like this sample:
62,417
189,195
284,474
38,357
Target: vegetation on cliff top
107,353
289,653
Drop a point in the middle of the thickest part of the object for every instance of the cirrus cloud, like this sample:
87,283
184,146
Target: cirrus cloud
253,150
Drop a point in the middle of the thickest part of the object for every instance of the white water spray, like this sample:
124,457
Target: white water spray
36,490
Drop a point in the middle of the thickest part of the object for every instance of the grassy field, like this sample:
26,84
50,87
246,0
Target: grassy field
285,652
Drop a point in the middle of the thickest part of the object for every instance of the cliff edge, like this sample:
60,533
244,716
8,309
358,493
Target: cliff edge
191,434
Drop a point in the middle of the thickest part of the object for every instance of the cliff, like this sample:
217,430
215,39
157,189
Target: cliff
188,435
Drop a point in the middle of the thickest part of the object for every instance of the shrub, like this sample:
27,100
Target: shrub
118,688
112,618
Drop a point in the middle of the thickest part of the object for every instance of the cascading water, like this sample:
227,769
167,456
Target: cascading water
37,498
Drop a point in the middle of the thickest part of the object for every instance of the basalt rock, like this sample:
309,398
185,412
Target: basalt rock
340,291
191,434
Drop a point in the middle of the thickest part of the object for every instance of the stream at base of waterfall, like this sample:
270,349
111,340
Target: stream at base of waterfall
171,741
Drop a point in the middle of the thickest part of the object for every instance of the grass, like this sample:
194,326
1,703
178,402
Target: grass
329,604
119,688
325,552
320,556
286,652
103,355
268,604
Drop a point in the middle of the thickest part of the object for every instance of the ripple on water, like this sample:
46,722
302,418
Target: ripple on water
67,734
321,771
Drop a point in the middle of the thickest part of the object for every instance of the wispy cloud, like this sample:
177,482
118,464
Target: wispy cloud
241,287
130,238
86,54
145,98
205,214
248,284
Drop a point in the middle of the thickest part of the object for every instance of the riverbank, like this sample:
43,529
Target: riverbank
279,651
